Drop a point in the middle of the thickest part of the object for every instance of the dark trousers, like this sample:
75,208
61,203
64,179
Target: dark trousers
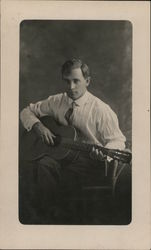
56,180
52,183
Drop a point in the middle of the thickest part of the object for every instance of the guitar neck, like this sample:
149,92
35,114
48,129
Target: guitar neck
113,153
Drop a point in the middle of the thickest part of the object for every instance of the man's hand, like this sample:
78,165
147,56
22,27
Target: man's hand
97,154
44,133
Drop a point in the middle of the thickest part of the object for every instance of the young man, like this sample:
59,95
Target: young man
96,122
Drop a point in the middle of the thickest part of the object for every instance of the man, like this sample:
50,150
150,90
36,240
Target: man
95,121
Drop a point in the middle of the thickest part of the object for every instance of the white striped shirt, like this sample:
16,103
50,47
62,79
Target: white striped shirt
95,120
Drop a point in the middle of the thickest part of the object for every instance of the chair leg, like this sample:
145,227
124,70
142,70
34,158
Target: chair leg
114,177
116,174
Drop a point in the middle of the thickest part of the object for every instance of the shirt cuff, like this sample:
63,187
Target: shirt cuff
115,145
29,124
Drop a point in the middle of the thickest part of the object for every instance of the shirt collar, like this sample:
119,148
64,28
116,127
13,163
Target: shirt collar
80,101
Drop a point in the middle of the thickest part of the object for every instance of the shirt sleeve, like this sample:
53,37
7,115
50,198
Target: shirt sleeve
109,130
31,114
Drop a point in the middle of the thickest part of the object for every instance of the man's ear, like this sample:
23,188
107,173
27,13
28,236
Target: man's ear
88,80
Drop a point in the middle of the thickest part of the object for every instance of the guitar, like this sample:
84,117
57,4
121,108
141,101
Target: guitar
66,144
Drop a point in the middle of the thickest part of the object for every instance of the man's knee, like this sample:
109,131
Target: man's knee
48,172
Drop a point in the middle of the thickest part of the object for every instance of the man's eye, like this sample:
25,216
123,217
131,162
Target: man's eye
76,80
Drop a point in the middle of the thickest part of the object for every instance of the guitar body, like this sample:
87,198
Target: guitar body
66,144
32,147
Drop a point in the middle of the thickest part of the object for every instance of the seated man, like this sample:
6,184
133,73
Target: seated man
96,123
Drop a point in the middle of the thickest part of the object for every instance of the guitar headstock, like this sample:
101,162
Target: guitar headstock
120,155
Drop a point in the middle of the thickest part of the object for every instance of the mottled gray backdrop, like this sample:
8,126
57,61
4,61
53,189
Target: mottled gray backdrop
106,46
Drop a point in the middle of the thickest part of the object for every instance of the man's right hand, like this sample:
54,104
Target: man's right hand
44,133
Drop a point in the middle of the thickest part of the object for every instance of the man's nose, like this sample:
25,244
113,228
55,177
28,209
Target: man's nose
72,85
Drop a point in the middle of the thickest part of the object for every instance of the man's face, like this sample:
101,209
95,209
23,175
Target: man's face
76,84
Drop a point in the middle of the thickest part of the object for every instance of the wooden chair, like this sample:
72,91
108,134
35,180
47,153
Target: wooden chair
102,198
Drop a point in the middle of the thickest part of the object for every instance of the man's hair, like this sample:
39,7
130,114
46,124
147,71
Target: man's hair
74,64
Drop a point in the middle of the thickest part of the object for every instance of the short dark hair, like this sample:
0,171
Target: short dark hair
74,64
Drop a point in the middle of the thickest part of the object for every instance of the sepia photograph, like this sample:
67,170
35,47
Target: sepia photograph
75,125
75,140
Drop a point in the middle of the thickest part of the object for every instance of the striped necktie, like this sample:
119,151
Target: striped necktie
68,114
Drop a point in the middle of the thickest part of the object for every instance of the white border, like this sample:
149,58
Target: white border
14,235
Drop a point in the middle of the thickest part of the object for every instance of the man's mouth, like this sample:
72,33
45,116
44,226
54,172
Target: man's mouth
72,92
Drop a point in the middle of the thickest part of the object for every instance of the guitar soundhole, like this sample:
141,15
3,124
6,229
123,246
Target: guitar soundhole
57,140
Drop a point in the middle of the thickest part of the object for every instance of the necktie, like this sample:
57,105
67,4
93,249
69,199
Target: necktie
69,112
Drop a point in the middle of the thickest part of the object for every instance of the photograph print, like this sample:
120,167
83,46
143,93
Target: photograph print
75,122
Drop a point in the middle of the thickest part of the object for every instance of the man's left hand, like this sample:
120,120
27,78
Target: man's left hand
97,154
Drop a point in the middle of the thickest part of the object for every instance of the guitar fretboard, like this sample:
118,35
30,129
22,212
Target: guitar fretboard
85,147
